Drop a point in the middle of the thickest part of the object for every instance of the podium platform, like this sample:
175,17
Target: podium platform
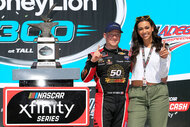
46,97
46,77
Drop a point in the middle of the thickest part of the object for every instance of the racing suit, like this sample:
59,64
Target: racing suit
111,74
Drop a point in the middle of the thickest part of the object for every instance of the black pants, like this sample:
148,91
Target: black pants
111,110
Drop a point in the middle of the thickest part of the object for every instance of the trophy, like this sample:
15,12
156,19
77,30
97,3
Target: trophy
47,50
48,72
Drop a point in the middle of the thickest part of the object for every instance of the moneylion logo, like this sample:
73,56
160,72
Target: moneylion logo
80,29
41,5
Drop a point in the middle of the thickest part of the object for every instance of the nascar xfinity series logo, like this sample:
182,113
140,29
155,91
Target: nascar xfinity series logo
46,106
80,29
41,105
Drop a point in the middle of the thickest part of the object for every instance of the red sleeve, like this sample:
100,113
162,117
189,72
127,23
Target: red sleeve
89,70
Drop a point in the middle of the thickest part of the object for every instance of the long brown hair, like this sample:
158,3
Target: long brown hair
137,41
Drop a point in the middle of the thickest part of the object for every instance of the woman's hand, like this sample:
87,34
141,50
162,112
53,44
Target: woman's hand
164,52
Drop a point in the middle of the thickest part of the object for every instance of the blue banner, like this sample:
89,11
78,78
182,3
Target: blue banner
85,22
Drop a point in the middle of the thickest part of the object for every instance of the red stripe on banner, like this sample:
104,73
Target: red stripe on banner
83,120
173,48
179,106
33,95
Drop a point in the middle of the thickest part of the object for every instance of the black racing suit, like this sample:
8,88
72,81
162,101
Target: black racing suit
111,75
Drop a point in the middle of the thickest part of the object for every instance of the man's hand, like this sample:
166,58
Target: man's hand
164,52
97,55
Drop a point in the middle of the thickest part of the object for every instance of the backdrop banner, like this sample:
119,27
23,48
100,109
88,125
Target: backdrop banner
80,31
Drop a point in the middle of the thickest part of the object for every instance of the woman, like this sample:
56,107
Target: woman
148,96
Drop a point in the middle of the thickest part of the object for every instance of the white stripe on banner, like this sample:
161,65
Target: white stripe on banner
179,77
2,85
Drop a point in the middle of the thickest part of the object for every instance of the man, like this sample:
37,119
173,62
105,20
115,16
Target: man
110,68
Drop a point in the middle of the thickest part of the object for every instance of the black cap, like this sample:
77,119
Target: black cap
113,26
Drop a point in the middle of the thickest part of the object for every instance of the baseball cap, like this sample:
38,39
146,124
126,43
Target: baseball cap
113,26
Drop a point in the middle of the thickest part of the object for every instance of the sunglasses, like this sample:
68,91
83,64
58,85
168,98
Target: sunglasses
146,17
112,35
